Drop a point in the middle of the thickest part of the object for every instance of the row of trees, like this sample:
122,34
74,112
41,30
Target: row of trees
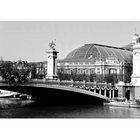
20,72
14,73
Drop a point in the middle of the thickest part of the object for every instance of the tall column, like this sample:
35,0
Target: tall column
51,62
136,66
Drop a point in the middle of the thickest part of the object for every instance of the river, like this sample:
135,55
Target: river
14,108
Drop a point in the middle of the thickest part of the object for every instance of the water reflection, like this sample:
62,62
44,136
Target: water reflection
16,108
6,103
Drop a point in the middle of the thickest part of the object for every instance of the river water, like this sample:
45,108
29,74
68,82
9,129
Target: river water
15,108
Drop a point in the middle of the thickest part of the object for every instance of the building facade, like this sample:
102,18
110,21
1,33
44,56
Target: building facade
96,59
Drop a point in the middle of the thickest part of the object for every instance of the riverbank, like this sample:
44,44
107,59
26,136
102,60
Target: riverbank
129,104
8,94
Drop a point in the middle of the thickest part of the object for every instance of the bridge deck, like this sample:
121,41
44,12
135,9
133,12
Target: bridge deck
60,87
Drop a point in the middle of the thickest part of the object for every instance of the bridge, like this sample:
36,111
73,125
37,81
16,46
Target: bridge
54,90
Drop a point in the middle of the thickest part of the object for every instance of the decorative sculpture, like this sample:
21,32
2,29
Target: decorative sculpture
52,45
137,38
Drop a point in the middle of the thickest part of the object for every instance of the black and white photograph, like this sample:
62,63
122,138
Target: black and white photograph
69,69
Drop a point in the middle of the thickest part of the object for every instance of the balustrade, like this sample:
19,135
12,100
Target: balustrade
104,92
100,91
110,94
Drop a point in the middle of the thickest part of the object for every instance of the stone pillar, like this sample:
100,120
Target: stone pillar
51,62
30,75
100,91
105,92
132,93
110,94
135,79
121,91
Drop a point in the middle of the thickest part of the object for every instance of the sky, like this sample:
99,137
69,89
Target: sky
29,40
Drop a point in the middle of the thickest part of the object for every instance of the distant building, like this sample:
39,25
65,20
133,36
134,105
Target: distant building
38,69
95,59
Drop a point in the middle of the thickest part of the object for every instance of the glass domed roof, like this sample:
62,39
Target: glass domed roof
97,51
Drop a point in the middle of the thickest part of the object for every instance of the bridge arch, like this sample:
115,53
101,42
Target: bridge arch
53,94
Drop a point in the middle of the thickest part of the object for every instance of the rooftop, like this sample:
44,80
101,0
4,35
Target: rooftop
90,52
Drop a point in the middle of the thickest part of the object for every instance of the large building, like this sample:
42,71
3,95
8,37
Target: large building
95,59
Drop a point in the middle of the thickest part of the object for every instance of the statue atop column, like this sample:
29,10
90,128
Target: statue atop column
136,39
52,45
